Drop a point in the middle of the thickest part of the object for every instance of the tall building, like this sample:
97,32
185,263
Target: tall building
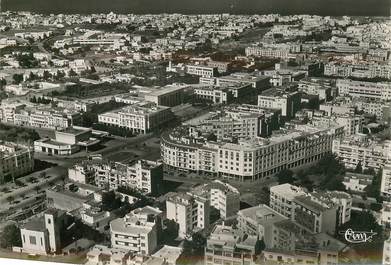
201,70
315,216
144,175
282,196
223,197
259,221
288,102
367,90
189,211
370,153
137,231
138,118
15,161
246,159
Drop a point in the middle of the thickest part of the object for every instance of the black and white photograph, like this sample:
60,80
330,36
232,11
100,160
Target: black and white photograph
195,132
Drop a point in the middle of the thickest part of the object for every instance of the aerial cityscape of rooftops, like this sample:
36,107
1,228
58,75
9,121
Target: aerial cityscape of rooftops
173,139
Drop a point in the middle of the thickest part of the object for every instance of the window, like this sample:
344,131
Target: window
33,240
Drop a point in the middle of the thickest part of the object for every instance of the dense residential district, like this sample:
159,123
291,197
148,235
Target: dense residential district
195,139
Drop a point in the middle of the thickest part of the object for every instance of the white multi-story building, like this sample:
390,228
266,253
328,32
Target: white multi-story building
15,161
247,159
143,175
385,187
190,211
315,216
137,231
282,50
259,221
359,149
369,90
282,196
224,197
137,118
288,102
202,70
358,70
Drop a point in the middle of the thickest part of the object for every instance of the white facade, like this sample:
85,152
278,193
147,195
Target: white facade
201,70
15,161
223,196
189,211
362,89
137,231
143,175
138,119
282,196
371,154
249,159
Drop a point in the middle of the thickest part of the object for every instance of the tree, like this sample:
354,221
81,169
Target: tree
10,199
42,175
358,168
10,237
198,243
37,189
171,231
72,73
373,190
46,75
285,176
18,78
110,201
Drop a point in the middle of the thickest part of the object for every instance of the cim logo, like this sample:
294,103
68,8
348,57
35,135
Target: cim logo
358,236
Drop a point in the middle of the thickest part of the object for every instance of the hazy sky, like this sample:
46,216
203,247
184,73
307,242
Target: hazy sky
321,7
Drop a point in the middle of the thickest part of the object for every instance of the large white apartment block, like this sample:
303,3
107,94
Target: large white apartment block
288,102
136,118
223,197
353,124
359,149
15,161
137,231
296,204
144,175
282,196
357,70
248,159
369,90
36,116
259,221
44,118
202,70
385,188
315,216
281,50
189,211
